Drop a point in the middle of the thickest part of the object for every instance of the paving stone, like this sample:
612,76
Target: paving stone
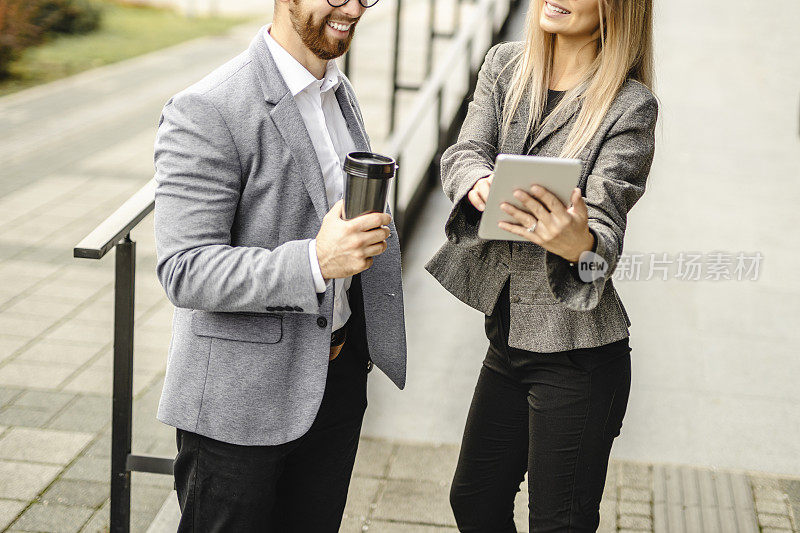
773,520
521,508
22,325
76,493
53,518
608,516
42,445
634,508
10,344
40,306
154,480
635,475
100,447
75,330
772,507
89,414
24,416
99,522
24,481
769,493
89,469
361,496
7,394
351,524
791,487
9,510
774,530
99,381
635,522
424,462
634,495
46,400
426,501
34,375
67,353
372,458
378,526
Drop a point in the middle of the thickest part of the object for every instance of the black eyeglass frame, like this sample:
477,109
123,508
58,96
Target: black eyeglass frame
363,3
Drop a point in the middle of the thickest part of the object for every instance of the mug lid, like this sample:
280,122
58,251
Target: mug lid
370,165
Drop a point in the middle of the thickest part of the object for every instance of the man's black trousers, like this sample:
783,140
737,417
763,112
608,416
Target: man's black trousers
299,486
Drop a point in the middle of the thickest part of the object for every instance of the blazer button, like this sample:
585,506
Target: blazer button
322,322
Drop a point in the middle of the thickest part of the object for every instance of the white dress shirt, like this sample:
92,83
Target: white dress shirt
332,142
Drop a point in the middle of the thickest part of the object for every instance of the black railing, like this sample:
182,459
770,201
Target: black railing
115,233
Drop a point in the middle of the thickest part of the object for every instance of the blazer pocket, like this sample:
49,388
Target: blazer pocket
245,327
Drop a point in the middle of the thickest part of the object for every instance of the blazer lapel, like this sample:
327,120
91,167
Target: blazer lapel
353,123
289,123
555,124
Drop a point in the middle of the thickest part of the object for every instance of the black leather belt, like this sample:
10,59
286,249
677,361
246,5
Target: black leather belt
338,337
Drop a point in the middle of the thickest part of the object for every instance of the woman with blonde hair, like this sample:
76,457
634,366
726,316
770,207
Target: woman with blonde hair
554,385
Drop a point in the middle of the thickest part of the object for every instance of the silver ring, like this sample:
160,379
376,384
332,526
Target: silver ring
532,228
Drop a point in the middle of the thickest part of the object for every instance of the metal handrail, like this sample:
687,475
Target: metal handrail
119,224
114,233
431,89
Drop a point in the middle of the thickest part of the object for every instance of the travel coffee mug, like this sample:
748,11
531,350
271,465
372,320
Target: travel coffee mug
366,183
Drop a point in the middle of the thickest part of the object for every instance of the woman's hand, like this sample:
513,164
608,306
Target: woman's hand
560,230
480,192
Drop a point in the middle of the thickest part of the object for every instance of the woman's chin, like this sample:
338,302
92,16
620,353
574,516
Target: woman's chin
548,26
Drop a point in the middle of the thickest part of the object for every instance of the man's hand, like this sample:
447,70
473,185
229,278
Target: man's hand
480,192
346,247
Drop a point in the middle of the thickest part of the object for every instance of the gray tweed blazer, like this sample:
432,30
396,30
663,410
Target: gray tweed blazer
551,309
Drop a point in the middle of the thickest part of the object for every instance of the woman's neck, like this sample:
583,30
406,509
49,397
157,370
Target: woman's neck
571,58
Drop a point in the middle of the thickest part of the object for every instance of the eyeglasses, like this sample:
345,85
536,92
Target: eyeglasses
340,3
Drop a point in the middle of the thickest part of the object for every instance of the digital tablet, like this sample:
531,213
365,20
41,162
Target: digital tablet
512,172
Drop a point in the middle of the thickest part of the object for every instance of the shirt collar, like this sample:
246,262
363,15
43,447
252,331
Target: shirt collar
296,76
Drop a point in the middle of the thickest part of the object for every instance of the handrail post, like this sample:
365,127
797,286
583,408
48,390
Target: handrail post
441,139
431,36
122,402
398,11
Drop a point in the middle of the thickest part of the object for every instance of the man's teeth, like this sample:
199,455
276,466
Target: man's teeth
340,27
557,9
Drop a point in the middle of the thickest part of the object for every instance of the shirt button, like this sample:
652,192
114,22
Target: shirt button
322,322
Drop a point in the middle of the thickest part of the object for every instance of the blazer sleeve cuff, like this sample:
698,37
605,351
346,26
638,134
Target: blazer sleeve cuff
565,282
463,212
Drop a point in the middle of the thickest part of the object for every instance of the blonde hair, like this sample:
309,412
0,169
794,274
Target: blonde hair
625,51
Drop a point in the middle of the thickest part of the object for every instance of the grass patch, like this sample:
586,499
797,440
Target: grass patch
126,30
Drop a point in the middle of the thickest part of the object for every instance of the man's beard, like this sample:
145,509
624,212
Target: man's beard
314,37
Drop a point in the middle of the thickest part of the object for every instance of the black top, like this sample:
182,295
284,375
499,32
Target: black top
553,98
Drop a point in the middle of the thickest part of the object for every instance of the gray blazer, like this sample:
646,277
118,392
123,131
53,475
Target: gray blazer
551,309
239,196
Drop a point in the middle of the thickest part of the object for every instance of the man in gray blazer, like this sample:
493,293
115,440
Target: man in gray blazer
281,306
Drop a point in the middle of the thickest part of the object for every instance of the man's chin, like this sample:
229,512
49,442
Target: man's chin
332,50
